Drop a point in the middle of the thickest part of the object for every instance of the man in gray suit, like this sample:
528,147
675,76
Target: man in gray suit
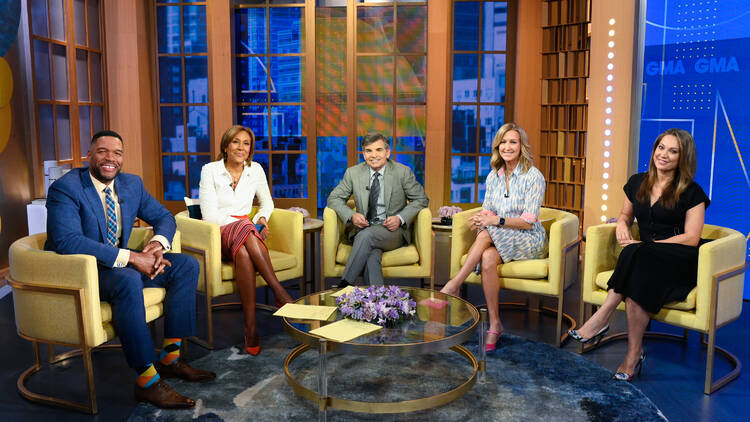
390,195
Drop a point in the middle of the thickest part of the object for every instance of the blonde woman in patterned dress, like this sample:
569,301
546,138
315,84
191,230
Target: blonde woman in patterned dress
508,227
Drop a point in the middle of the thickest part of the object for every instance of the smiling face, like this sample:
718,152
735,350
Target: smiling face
105,158
510,147
376,154
667,154
238,149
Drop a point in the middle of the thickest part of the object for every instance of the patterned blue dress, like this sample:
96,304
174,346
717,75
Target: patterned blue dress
524,199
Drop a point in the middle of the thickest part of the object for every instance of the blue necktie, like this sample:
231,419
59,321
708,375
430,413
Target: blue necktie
111,218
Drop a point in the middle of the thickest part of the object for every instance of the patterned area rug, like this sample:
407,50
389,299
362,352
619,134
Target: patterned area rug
525,381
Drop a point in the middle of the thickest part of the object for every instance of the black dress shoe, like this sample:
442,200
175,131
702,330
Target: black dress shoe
161,395
182,370
343,284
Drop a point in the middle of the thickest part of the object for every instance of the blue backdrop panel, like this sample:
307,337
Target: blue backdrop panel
695,77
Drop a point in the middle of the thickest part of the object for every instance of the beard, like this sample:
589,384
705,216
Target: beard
97,173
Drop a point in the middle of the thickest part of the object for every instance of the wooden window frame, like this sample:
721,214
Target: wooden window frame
160,154
73,103
510,61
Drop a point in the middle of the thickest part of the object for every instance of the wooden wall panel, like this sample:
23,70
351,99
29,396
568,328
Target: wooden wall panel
437,167
528,91
622,15
219,22
130,92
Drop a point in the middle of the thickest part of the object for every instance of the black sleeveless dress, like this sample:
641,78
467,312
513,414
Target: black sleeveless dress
653,274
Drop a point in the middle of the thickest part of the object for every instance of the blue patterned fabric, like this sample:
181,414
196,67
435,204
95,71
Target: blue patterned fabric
111,218
525,192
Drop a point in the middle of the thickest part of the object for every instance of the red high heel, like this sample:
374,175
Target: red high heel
492,346
252,350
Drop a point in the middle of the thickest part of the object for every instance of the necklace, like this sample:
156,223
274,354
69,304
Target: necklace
235,178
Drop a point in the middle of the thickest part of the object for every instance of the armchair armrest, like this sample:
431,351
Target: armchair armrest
140,236
716,257
331,237
202,237
600,255
286,229
461,237
562,233
54,314
423,237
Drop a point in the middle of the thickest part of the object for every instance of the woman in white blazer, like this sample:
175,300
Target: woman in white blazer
227,189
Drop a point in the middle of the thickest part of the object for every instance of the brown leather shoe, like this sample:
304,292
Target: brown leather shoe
182,370
161,395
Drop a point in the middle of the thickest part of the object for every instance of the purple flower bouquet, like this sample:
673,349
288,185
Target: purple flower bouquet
377,304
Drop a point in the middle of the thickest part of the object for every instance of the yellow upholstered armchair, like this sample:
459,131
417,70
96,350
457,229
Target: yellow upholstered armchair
548,276
410,261
56,300
714,302
202,240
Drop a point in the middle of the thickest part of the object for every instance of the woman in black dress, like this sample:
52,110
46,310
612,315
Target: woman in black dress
661,267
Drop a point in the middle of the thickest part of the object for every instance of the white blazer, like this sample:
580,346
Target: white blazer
219,202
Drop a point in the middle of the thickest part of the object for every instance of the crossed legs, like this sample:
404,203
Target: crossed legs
481,243
249,260
637,318
367,250
482,249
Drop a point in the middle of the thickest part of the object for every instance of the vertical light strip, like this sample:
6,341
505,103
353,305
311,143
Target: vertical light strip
607,116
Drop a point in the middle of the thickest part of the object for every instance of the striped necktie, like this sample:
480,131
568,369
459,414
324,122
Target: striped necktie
111,218
372,206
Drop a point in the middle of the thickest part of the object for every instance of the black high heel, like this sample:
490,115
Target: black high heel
624,376
596,338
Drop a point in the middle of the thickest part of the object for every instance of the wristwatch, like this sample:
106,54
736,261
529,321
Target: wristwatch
501,222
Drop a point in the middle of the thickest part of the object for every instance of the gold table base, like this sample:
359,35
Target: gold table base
382,407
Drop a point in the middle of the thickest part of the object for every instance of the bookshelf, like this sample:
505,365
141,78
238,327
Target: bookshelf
564,104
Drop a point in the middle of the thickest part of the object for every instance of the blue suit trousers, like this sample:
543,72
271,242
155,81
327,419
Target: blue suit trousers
123,289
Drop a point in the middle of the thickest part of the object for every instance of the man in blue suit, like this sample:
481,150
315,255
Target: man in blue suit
91,211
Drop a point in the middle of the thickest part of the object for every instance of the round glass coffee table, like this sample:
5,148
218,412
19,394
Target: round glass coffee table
441,322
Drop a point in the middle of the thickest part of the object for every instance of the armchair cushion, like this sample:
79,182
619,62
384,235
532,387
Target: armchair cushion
152,300
279,260
528,268
689,303
406,255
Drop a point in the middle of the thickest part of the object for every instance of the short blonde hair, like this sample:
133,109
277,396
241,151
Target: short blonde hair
526,159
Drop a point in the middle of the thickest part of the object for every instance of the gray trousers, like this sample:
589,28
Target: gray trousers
367,252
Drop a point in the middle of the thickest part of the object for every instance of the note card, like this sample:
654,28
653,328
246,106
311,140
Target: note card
345,329
345,290
298,311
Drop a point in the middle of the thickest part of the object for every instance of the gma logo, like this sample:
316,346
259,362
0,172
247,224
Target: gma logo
702,65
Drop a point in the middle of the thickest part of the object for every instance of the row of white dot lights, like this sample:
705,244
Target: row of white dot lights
607,115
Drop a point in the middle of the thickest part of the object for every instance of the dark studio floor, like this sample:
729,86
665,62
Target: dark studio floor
672,377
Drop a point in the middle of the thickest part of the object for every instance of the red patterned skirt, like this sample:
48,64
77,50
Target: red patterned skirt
234,235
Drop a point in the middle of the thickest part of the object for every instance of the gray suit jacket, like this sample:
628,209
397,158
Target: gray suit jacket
399,186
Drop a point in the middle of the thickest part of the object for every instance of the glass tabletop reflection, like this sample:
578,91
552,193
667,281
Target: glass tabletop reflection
438,317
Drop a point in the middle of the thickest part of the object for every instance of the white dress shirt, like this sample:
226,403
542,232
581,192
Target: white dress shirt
124,255
219,202
381,215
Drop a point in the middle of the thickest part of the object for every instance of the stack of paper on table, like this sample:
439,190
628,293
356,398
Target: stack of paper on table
298,311
345,290
345,330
